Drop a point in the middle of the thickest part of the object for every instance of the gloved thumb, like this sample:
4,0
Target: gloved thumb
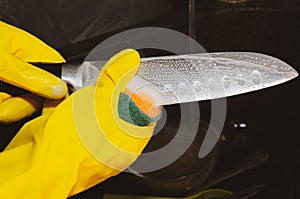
119,70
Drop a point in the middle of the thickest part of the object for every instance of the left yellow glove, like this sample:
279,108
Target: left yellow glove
17,50
77,145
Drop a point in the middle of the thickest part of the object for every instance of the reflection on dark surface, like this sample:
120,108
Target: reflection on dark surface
187,173
271,115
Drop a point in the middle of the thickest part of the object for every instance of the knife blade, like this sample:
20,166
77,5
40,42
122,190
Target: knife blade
194,77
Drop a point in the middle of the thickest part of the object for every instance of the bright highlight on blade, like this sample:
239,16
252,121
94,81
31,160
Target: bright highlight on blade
186,78
195,77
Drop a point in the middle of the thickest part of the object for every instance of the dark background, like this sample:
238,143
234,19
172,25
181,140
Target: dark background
267,26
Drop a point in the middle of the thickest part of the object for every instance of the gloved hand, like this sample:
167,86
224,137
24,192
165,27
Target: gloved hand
17,49
78,144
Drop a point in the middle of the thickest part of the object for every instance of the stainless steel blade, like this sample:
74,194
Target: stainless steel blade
196,77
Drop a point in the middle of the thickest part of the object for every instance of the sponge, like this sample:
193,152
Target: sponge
138,109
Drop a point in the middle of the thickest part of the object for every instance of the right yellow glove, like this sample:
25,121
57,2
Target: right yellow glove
79,144
17,49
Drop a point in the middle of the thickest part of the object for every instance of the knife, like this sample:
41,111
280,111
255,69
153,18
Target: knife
187,78
194,77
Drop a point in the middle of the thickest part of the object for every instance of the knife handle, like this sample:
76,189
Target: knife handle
15,91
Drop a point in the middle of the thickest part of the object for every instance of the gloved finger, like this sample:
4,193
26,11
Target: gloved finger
81,132
24,75
113,79
123,65
4,96
126,141
135,108
13,109
29,48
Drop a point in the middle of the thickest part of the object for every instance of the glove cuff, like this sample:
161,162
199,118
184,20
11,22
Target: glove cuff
132,112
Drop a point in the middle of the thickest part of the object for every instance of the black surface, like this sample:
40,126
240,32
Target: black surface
272,115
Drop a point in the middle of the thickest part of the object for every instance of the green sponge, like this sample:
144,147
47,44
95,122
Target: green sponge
130,112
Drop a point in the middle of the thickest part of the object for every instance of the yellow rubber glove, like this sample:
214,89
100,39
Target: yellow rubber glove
79,144
17,49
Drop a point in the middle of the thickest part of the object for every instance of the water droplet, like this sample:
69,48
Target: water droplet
197,86
181,86
196,83
240,80
169,87
222,60
211,84
256,77
226,81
